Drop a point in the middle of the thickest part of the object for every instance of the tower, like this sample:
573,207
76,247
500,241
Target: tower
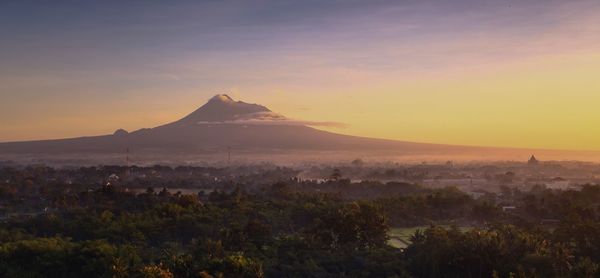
533,160
127,169
228,155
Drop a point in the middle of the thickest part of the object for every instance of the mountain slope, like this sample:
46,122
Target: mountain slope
222,108
221,122
224,123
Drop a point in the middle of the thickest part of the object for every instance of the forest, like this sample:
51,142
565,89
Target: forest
88,228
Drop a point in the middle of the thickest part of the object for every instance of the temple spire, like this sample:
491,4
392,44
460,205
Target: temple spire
533,160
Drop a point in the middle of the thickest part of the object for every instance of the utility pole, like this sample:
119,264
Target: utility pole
228,155
127,171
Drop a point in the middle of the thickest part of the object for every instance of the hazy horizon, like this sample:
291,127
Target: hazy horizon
475,73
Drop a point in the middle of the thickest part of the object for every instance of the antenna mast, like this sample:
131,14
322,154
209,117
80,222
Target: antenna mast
127,170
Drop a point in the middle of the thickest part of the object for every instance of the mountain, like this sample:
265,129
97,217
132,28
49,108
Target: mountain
223,123
222,108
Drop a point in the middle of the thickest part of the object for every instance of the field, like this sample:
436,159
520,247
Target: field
400,237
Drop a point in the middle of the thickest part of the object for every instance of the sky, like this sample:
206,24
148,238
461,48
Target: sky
487,73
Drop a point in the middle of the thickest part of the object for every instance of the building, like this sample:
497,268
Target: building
533,160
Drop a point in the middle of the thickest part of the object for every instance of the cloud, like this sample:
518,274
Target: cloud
278,122
319,123
272,118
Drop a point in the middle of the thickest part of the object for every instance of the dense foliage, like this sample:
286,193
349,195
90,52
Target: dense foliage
283,229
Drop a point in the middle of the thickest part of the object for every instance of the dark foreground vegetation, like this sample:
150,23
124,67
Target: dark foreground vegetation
85,223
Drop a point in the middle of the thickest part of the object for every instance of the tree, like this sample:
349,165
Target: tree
353,226
156,271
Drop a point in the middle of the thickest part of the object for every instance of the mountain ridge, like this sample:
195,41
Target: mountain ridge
220,121
221,108
223,123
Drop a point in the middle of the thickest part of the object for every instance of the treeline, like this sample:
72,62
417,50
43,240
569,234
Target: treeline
283,231
108,233
503,251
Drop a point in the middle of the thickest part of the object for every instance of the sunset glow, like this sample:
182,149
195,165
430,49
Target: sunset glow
501,73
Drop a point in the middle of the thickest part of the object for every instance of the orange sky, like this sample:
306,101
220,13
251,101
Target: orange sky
516,76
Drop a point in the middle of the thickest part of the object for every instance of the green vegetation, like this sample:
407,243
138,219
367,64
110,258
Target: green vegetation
282,230
402,237
108,233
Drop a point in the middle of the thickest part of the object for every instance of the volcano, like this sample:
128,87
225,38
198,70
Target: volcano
223,123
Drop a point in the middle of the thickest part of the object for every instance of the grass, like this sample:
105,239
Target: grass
400,237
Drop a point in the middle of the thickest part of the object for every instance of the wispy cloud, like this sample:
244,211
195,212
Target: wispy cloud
271,118
279,122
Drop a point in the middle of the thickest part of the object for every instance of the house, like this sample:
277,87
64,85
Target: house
508,208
